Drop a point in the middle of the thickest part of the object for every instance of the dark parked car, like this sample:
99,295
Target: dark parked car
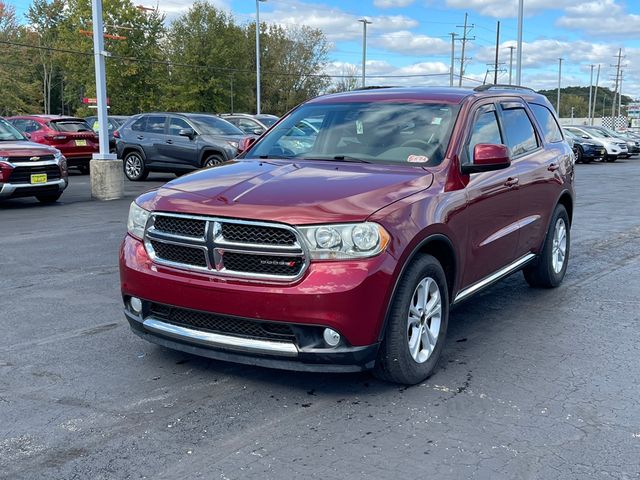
29,169
72,136
175,142
251,124
113,123
585,150
349,255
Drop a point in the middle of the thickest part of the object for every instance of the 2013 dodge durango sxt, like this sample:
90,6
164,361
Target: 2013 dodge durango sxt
342,246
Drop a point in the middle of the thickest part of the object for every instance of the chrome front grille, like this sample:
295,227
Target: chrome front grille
226,247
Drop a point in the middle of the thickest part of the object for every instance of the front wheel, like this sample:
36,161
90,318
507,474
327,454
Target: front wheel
212,161
84,169
551,265
417,324
611,158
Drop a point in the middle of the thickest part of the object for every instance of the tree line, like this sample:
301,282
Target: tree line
577,98
202,61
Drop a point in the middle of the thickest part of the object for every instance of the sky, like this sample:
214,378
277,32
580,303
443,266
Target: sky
409,41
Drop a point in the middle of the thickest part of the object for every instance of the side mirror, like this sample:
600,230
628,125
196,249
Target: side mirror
258,131
246,143
585,136
488,157
187,132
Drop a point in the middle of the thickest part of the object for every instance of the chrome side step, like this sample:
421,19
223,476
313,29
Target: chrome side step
210,339
494,277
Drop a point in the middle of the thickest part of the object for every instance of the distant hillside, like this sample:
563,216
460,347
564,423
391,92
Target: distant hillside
578,98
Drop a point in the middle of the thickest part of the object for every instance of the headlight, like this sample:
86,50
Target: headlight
233,144
57,155
138,217
345,241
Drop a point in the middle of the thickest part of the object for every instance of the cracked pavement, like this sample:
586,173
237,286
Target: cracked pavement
533,384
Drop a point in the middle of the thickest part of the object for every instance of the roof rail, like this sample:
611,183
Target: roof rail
374,87
489,86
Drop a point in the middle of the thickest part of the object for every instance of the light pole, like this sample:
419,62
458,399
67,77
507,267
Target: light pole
559,85
365,22
107,179
511,49
258,55
519,46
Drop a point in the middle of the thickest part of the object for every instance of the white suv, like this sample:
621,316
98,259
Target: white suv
615,147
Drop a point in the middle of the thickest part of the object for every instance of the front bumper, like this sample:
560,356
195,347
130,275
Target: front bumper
16,190
350,297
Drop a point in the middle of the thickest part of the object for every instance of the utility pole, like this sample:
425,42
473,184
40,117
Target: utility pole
365,22
559,84
495,75
617,79
465,38
519,60
231,78
511,49
258,55
453,57
590,92
620,96
595,96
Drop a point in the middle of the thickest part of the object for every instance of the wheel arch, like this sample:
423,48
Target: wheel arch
441,248
566,200
133,148
207,152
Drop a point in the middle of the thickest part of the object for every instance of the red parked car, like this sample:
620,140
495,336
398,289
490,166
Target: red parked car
72,136
28,169
347,251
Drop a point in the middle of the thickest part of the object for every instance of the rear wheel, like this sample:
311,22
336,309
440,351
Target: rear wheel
50,198
84,169
417,324
134,167
551,265
579,155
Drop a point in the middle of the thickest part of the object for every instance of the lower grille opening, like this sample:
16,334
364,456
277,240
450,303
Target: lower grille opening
179,254
222,324
23,174
263,264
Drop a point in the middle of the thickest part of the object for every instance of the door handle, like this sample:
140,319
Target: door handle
169,141
553,167
139,137
511,182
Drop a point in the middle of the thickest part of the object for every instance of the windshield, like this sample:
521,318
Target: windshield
8,133
71,126
405,133
210,125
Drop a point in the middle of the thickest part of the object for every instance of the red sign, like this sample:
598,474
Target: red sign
92,101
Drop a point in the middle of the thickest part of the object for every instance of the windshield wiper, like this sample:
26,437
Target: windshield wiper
346,158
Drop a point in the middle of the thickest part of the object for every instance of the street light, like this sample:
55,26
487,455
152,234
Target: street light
519,47
365,22
258,55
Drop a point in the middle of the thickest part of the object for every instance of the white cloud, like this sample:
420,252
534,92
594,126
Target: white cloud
601,18
392,3
410,43
509,8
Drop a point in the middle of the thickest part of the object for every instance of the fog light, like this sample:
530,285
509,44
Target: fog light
136,304
331,337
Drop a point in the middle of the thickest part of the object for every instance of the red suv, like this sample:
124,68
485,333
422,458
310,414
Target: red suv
72,136
346,251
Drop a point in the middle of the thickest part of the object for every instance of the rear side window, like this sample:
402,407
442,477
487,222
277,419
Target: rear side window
138,125
155,124
550,128
71,126
521,136
485,130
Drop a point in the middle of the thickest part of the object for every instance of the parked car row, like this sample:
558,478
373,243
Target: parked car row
593,143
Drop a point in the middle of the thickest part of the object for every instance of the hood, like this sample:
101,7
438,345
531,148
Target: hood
23,148
299,193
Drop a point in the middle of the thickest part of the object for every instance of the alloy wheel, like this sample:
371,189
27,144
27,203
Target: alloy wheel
559,248
424,319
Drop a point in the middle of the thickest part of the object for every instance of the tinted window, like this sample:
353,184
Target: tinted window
139,124
247,126
521,136
485,130
176,124
376,132
70,126
211,125
155,124
550,128
8,132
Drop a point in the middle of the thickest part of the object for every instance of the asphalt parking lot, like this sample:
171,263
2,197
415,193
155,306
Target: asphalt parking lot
533,383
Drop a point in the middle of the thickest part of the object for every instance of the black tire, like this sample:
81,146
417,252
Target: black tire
395,362
610,158
579,155
84,169
134,166
212,161
542,273
51,198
